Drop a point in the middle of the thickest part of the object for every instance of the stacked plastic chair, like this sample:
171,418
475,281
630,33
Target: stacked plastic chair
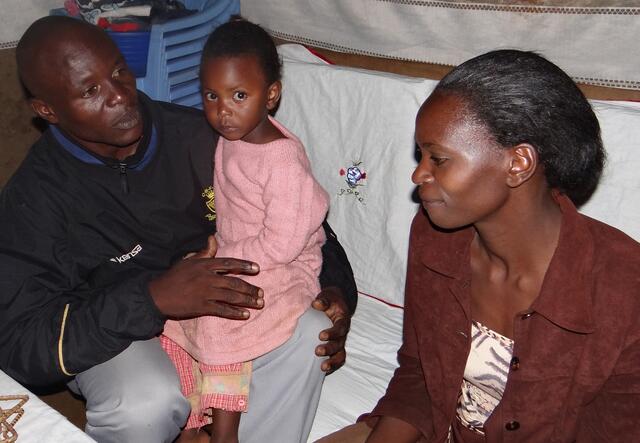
175,48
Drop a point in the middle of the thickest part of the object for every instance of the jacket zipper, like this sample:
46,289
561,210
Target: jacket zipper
124,184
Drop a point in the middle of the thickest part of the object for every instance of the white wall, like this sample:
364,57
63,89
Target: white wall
17,15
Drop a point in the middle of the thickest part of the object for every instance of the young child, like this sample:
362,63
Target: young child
269,210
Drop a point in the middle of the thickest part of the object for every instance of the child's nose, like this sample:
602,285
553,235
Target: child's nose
224,110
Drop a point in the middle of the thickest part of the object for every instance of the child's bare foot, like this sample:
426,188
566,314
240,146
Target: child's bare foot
193,436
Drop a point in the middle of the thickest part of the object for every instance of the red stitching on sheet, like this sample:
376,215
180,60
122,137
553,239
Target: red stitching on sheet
381,300
320,56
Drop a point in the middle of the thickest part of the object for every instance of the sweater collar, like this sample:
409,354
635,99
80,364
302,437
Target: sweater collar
565,295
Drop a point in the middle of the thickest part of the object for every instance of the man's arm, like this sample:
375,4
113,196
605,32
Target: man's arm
336,270
55,324
338,299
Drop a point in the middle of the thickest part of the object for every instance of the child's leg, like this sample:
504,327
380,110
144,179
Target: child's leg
287,382
225,391
190,382
224,428
194,435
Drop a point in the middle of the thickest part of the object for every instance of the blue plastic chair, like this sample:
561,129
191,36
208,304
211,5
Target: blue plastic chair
175,48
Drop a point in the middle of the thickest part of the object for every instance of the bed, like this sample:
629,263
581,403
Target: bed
349,117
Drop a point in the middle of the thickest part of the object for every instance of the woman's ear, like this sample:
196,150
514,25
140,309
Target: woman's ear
43,110
523,163
273,94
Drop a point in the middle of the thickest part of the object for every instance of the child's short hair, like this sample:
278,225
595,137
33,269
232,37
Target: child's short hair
240,37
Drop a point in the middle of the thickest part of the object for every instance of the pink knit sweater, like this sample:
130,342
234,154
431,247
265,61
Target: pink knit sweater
269,210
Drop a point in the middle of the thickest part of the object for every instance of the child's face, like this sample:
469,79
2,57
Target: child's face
237,98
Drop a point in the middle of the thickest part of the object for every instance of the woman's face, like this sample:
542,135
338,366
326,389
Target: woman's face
462,171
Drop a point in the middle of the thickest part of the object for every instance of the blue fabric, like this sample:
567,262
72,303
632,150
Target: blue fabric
81,153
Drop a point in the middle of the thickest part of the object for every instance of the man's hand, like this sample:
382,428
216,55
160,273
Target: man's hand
332,303
199,286
208,252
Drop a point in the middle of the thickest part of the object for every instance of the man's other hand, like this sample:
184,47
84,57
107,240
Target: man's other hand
332,303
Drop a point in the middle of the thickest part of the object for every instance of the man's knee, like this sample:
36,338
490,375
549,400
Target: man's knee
134,397
140,416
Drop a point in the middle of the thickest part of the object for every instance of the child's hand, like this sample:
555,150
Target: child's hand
208,252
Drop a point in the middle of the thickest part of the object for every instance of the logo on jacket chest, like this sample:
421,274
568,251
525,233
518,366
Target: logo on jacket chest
210,202
124,257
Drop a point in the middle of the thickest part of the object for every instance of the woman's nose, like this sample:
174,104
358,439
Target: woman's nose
422,173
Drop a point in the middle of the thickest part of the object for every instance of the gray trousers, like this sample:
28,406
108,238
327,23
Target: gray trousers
135,397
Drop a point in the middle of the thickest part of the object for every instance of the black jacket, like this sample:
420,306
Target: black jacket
81,236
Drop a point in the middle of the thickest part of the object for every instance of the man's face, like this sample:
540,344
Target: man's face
90,93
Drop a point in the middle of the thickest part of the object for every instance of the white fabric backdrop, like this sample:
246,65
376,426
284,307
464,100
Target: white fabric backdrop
17,15
594,45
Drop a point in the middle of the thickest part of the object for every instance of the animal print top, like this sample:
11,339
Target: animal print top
485,376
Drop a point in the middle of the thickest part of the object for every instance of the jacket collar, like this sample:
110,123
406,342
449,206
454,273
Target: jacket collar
138,161
447,251
565,296
566,293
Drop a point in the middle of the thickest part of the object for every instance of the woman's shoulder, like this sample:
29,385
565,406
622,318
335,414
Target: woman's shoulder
612,246
614,272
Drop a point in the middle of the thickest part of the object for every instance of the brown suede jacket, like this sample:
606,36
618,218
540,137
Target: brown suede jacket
575,375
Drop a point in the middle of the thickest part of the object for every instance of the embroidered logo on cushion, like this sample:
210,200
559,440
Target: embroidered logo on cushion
210,202
354,177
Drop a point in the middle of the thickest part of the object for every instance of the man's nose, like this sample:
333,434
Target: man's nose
118,93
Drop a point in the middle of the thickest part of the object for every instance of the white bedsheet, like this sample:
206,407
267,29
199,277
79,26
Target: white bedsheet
376,330
40,423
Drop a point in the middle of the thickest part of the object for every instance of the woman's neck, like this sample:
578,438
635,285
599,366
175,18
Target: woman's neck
522,240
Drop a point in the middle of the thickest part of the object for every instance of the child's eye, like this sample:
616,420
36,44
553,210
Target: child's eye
209,96
90,92
239,95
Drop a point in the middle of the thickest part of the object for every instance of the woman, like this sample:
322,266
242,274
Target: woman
521,315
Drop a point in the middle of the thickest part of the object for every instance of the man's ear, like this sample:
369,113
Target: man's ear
523,163
273,94
43,110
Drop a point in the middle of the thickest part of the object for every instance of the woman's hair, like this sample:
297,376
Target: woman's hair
239,37
523,98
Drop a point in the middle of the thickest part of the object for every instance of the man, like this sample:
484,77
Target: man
93,228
